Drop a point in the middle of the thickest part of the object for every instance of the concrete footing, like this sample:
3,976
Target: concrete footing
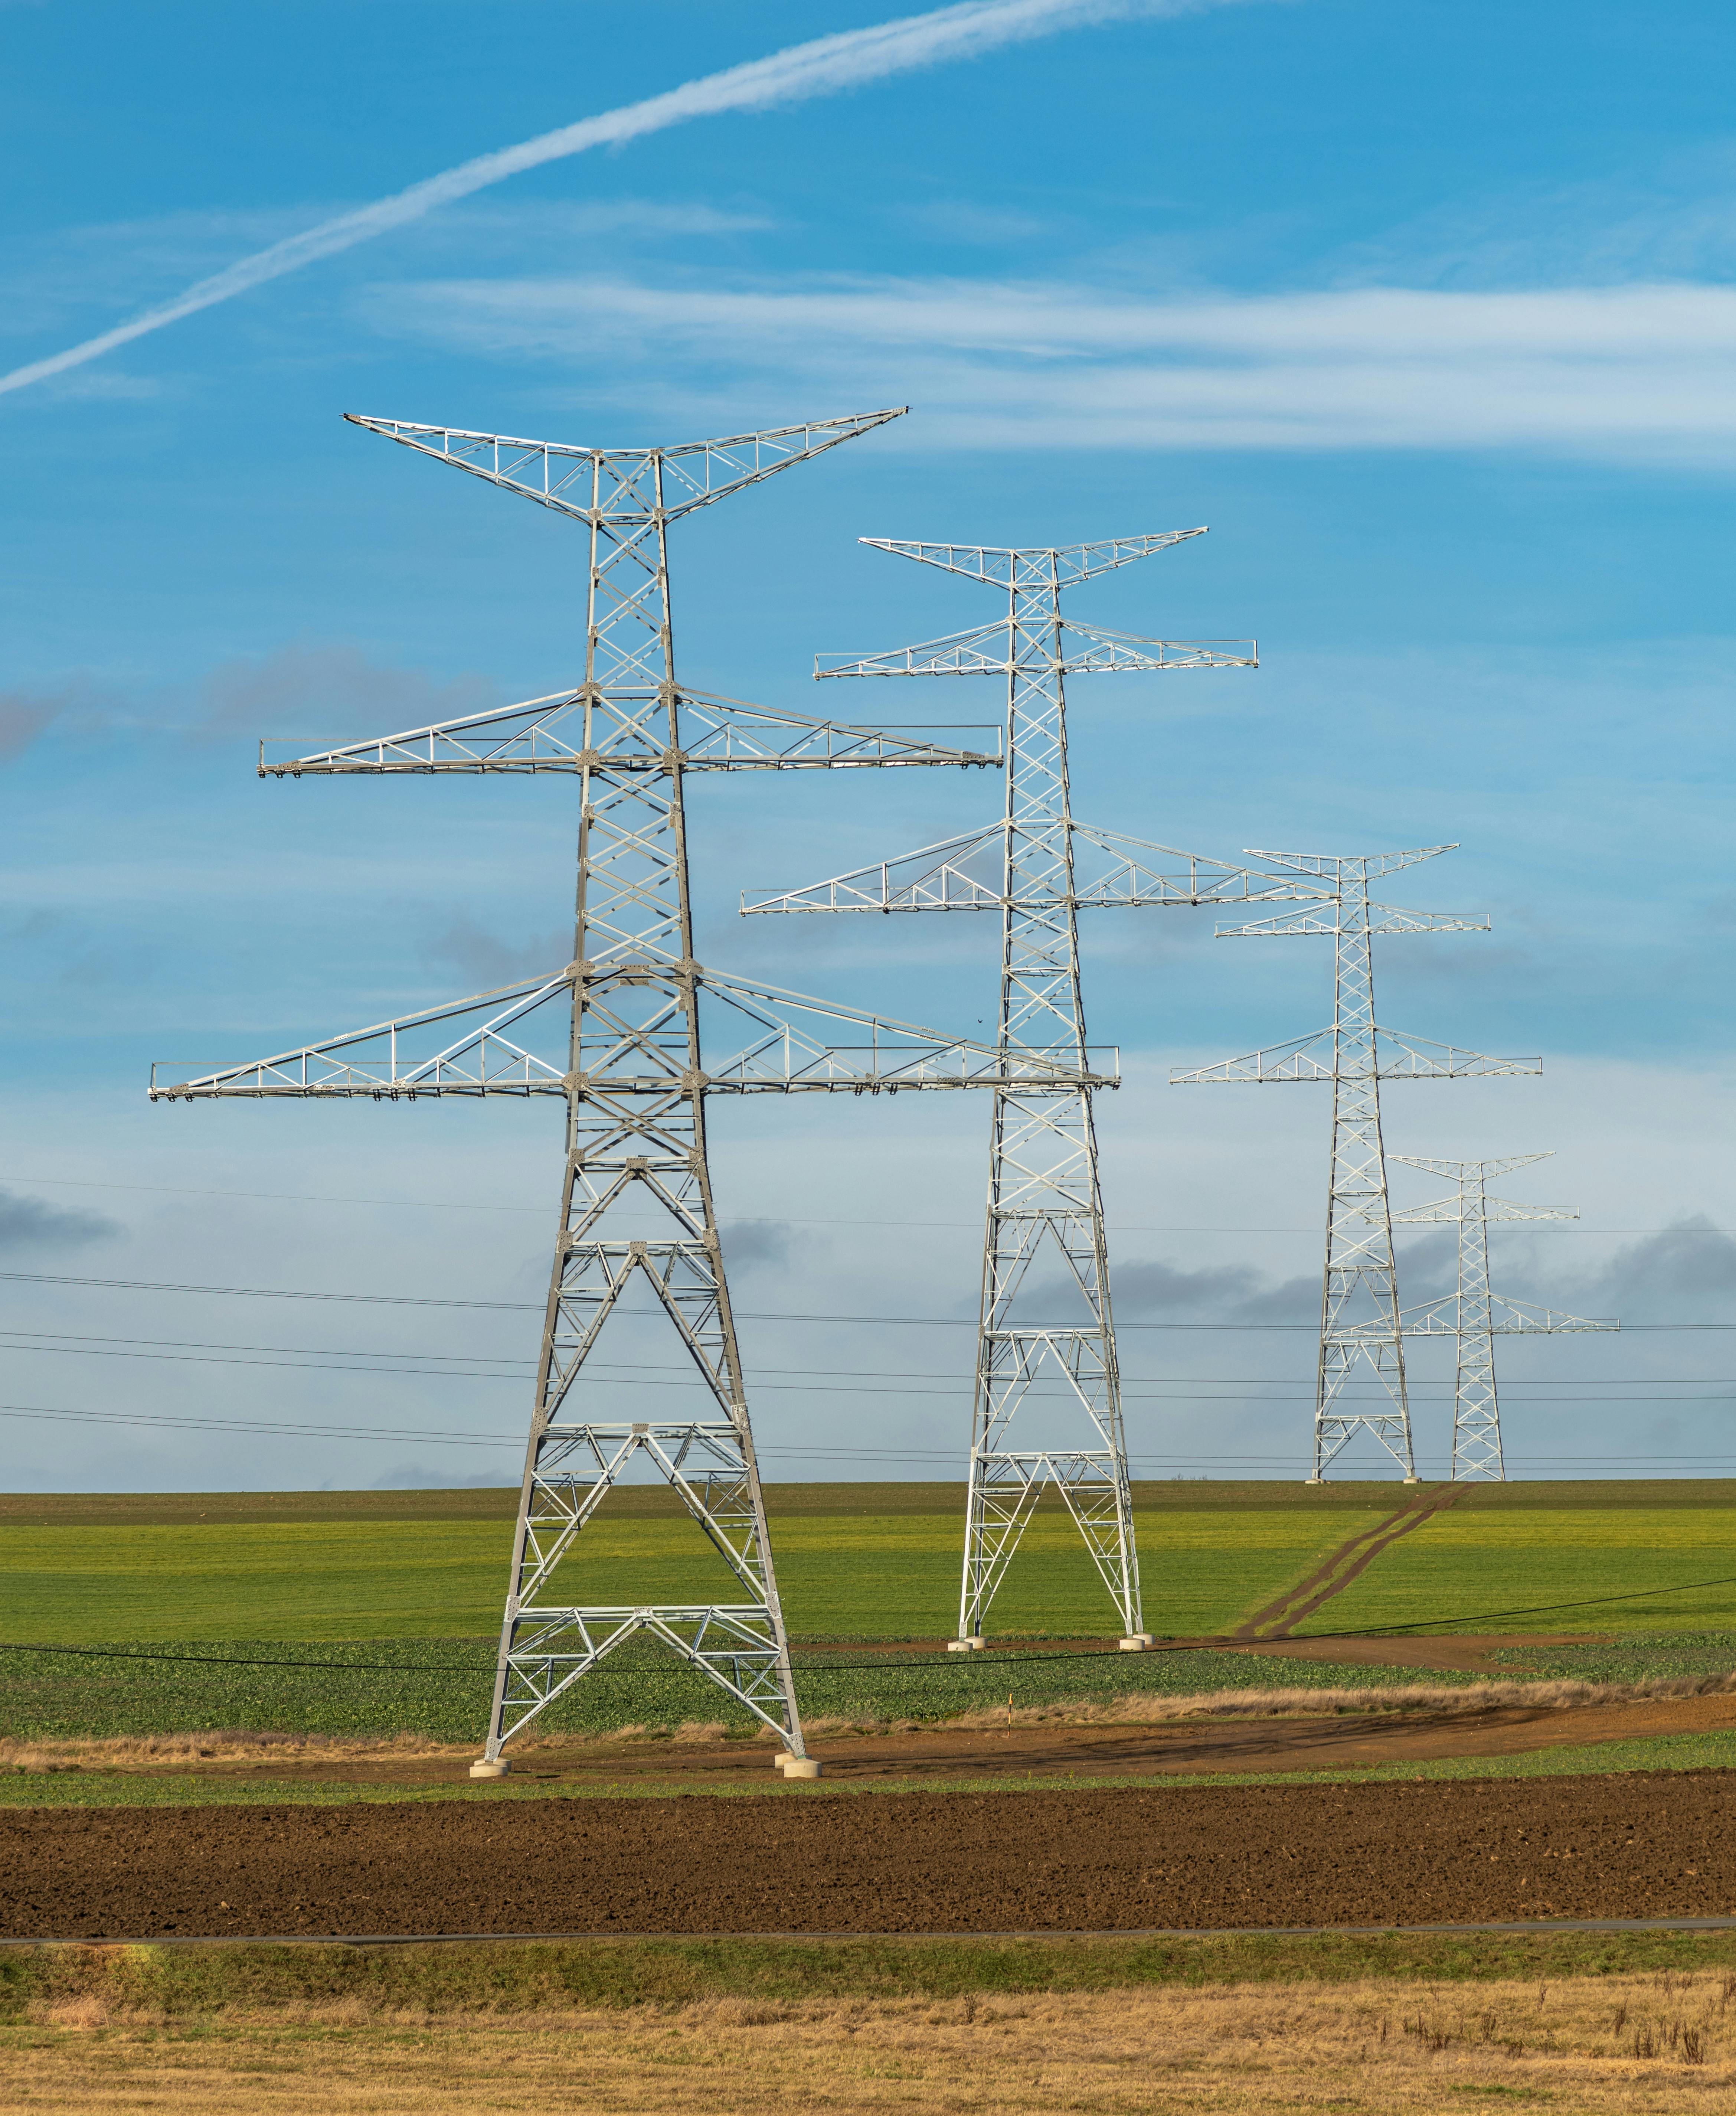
802,1767
1135,1642
483,1768
967,1645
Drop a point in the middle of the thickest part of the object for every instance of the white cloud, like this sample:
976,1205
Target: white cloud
824,65
1642,370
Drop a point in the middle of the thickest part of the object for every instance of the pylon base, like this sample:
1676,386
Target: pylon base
1135,1642
966,1645
483,1768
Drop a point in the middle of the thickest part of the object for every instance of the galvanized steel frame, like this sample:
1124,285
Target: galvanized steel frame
631,1075
1474,1316
1355,1056
1044,1181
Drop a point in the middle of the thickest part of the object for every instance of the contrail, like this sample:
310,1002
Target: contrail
822,67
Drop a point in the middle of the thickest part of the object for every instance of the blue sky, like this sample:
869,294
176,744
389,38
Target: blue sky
1425,310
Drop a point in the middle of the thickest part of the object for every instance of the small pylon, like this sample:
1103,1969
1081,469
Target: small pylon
1475,1315
1359,1302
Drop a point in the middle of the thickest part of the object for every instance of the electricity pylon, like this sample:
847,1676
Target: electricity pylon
1045,1200
1475,1315
615,1034
1359,1301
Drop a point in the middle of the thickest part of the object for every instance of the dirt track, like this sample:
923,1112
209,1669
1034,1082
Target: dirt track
1186,1747
1653,1844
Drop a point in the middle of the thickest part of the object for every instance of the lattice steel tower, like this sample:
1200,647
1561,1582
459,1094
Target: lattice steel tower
1039,867
1475,1315
1359,1304
615,1034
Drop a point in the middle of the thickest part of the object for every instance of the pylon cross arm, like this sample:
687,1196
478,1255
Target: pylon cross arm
1316,1057
622,485
718,734
972,873
1524,1318
516,1041
998,649
1033,566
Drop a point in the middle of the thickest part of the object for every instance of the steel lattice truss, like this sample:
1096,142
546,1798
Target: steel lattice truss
1360,1322
1039,867
1474,1315
616,1034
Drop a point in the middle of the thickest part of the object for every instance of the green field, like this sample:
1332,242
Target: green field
1578,1556
854,1562
401,1591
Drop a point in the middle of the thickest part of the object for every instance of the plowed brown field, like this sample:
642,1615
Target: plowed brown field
1647,1844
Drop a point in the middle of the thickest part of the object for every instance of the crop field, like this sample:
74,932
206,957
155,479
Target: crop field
854,1562
1538,1557
383,1606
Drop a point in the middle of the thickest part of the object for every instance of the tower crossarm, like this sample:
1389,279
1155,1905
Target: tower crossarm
1004,647
1316,1057
514,1041
973,872
717,734
1033,566
1362,866
1525,1318
1476,1171
623,488
1329,921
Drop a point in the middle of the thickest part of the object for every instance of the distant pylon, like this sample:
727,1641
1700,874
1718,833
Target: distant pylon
1475,1315
1359,1302
614,1035
1039,867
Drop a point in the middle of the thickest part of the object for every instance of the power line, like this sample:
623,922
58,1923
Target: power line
741,1219
60,1339
749,1315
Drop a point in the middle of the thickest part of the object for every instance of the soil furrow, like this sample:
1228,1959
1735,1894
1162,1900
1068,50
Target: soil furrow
1644,1845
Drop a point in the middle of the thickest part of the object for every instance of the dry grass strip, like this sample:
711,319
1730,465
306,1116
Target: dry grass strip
1665,2042
171,1752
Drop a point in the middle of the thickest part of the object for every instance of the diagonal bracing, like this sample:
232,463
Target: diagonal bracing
1360,1323
616,1035
1474,1316
1038,866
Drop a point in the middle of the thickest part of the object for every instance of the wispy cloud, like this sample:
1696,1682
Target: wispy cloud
29,1224
485,960
327,692
23,714
1634,370
826,66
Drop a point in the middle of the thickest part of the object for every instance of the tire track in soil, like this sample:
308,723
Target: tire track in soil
1348,1562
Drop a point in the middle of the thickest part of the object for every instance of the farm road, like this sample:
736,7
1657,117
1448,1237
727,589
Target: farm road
1645,1845
1348,1562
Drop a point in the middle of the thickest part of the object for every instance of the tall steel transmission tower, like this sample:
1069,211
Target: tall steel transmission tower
1359,1304
615,1035
1475,1315
1039,867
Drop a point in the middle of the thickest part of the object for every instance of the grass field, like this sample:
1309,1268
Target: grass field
1567,1555
106,1789
404,1588
1623,2022
854,1561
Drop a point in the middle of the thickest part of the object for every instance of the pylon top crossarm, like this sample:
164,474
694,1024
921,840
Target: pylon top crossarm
621,487
1350,867
1037,566
1473,1171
